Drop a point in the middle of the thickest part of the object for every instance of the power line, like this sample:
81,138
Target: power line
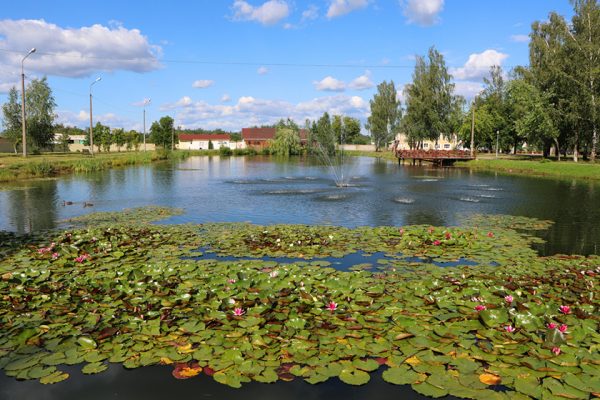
245,63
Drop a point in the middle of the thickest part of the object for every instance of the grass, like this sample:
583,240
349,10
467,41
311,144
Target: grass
537,167
386,155
13,167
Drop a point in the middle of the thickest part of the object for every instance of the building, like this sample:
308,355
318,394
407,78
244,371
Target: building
260,138
441,144
200,141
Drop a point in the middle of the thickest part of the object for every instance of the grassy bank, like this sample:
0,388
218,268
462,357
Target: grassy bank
554,169
14,167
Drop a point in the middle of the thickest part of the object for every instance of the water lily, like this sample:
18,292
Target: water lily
551,325
448,236
436,242
509,328
490,234
565,309
509,299
556,350
54,256
332,306
401,230
82,258
480,307
231,301
273,274
238,312
563,328
230,280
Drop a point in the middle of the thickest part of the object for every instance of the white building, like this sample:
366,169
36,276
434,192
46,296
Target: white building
201,141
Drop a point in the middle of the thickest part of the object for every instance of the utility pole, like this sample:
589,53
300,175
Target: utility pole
98,79
473,130
497,138
23,122
146,102
173,135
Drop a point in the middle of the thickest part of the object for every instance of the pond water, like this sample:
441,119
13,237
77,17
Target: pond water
263,190
267,191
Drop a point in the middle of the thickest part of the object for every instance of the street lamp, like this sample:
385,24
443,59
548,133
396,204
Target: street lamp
23,101
146,102
98,79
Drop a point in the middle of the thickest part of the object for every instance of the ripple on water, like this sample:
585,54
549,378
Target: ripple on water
470,199
404,200
487,196
332,197
292,191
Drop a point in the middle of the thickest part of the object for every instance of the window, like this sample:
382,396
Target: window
446,146
425,145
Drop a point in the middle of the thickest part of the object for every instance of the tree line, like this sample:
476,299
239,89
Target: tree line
552,103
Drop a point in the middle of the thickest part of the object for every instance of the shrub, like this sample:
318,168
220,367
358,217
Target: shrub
225,151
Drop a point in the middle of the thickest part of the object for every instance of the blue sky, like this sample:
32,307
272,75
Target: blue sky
233,63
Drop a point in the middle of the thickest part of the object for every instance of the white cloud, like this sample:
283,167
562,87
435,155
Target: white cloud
73,52
338,8
82,120
478,65
141,103
330,84
468,89
311,13
520,38
422,12
362,82
250,110
269,13
262,70
202,83
225,98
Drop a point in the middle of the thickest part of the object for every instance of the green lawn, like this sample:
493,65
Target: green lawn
557,169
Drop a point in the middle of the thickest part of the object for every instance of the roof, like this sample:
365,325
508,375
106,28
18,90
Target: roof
266,133
189,137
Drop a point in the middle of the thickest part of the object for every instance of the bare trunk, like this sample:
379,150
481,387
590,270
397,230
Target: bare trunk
556,145
575,150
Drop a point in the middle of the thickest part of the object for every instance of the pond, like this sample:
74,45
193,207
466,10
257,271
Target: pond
266,191
300,191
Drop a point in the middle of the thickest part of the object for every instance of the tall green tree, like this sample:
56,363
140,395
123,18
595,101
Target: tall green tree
119,138
324,135
11,112
161,132
40,105
346,129
286,142
386,114
431,105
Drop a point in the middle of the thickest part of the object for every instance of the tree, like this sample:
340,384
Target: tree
431,105
287,141
119,137
324,136
100,136
161,132
385,114
11,111
64,140
210,145
345,128
40,115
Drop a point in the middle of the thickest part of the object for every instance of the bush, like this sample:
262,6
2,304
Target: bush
225,151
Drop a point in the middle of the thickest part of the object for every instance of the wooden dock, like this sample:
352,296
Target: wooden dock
436,157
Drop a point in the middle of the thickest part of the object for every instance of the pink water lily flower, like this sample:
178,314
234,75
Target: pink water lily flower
82,258
565,309
556,350
54,256
401,230
563,328
230,280
332,306
509,299
436,242
480,307
509,328
551,325
490,234
238,312
448,236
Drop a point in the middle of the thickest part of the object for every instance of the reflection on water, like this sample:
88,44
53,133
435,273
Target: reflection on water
268,190
150,383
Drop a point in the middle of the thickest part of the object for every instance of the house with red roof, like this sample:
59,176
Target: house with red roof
259,138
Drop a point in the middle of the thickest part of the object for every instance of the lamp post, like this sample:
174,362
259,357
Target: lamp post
23,101
146,102
98,79
497,140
